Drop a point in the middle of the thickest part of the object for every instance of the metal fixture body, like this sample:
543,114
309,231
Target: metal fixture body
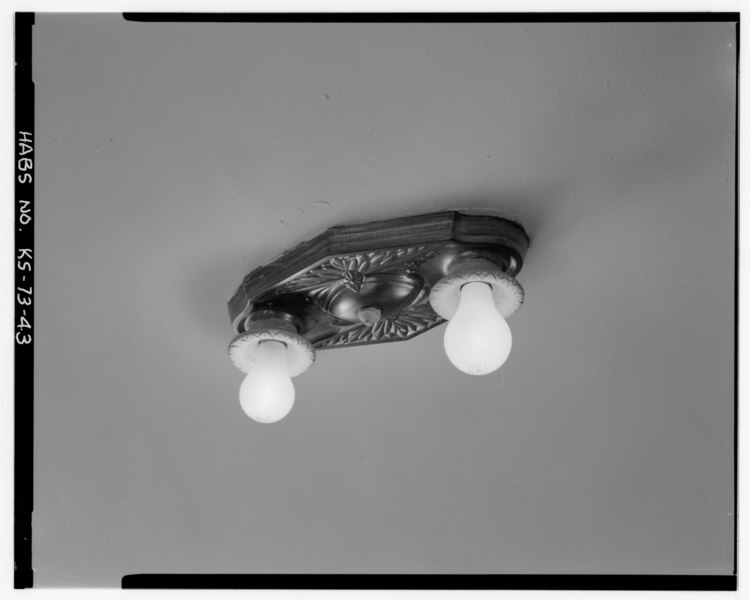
371,283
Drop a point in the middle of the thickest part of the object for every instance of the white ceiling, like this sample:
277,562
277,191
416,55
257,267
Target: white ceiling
175,158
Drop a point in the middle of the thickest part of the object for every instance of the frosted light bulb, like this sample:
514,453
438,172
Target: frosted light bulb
477,339
267,393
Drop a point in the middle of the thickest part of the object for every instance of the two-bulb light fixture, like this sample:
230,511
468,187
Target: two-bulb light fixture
372,283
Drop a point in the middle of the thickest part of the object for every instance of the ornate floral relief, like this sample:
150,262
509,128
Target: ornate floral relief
409,323
350,270
372,262
352,280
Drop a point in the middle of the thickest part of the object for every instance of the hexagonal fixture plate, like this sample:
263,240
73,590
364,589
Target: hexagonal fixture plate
326,282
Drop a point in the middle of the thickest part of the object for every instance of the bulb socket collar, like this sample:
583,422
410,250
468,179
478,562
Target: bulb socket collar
506,291
300,354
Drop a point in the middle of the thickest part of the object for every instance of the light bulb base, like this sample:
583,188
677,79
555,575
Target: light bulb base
244,347
507,293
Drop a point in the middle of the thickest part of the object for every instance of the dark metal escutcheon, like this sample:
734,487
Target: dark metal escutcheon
370,282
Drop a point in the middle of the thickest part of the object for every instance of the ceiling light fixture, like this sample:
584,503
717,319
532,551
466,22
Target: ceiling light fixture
377,282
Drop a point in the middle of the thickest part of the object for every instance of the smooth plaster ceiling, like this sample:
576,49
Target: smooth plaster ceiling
175,158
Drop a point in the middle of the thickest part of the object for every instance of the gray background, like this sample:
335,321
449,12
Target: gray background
175,158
